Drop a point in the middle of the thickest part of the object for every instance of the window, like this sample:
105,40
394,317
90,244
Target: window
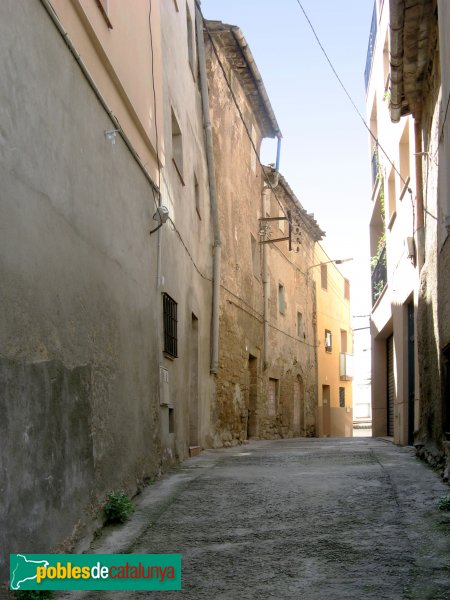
190,39
272,398
177,147
343,341
346,289
171,421
282,222
300,331
404,157
391,198
170,326
255,256
197,196
342,397
324,277
103,6
253,156
281,299
328,344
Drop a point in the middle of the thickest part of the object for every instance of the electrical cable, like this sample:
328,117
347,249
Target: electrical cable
154,99
187,251
348,94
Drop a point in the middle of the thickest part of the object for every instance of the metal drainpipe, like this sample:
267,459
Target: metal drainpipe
212,193
265,277
420,233
265,270
54,17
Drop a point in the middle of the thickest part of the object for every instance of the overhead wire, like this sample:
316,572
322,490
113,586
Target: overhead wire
374,137
158,166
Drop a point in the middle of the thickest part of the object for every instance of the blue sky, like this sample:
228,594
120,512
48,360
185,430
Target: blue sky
325,147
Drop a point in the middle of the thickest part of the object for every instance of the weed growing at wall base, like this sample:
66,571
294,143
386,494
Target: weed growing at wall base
444,503
118,507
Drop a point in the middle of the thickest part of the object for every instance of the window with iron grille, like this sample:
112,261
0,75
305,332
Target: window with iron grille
170,326
342,397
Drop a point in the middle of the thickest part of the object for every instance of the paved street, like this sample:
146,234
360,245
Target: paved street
303,518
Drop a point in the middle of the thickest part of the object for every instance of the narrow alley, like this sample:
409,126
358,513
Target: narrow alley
298,518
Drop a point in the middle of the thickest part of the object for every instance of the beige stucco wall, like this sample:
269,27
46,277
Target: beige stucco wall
120,62
393,216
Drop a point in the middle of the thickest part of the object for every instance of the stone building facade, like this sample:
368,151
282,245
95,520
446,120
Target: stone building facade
266,382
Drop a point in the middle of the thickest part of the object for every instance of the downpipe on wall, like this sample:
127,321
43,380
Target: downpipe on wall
217,247
419,224
265,199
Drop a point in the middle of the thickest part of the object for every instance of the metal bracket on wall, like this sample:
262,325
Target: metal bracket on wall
282,239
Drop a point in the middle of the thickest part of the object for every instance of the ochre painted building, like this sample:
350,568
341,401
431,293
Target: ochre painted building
334,347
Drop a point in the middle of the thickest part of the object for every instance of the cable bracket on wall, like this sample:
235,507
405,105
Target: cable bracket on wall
282,239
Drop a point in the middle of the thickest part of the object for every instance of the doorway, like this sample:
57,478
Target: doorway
193,392
326,411
390,385
252,418
298,405
411,374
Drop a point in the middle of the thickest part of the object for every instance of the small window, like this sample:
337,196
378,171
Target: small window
404,157
324,277
255,256
342,397
281,299
197,197
272,397
346,289
300,331
328,340
343,341
190,39
170,326
177,147
253,156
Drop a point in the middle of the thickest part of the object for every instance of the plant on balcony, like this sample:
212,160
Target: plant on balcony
379,257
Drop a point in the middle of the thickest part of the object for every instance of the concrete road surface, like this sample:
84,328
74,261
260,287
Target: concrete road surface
304,519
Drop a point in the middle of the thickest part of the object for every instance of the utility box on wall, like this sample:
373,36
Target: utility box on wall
164,395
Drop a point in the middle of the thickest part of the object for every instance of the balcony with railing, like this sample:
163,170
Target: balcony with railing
345,366
379,275
375,167
371,47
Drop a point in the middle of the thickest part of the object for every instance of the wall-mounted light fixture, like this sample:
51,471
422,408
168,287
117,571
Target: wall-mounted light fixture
161,215
338,261
110,135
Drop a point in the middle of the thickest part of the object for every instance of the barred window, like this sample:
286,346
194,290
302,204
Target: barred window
342,397
170,326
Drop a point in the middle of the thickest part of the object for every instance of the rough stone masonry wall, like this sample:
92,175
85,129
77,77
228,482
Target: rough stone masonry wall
241,303
429,437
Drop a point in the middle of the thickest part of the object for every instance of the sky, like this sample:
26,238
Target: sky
325,146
